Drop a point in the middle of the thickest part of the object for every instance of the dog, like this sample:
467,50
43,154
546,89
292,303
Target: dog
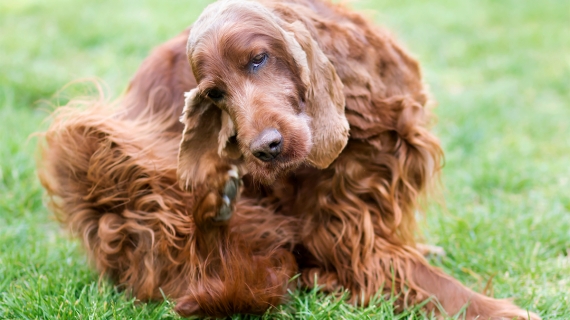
303,147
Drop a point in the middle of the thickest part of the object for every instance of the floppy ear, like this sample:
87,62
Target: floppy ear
227,148
204,139
324,98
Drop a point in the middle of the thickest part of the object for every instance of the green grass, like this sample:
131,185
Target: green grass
500,71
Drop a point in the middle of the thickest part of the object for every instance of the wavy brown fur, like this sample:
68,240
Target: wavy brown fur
111,172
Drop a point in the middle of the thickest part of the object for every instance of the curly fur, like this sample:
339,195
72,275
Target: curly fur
338,206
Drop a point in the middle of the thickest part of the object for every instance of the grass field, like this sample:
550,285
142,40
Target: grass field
499,69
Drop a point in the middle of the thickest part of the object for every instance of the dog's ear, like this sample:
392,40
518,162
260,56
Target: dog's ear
204,143
227,143
324,97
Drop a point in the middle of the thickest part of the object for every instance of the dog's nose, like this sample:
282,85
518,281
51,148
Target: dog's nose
267,145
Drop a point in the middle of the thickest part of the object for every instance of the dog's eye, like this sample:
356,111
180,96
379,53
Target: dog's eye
215,94
258,60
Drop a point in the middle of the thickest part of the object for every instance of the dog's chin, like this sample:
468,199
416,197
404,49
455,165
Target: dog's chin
267,172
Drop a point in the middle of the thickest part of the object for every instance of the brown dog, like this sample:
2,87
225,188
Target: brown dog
304,149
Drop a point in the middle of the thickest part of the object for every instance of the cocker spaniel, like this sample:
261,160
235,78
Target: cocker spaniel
303,149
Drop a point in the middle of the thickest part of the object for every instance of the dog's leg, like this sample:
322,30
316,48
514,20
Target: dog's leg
354,228
113,183
455,298
245,265
399,270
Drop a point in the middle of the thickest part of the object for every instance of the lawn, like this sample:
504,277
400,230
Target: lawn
500,71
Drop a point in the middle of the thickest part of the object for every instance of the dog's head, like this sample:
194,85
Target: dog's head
279,100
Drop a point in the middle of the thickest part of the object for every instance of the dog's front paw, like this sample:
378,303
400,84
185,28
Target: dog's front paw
229,195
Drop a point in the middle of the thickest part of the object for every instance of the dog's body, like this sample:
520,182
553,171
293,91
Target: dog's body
335,200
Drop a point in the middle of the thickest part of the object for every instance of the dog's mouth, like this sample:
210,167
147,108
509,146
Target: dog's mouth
266,172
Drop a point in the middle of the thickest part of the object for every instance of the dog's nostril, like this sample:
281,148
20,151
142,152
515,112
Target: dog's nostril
267,145
263,156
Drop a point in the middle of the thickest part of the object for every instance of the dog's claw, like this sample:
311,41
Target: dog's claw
230,193
231,188
225,212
